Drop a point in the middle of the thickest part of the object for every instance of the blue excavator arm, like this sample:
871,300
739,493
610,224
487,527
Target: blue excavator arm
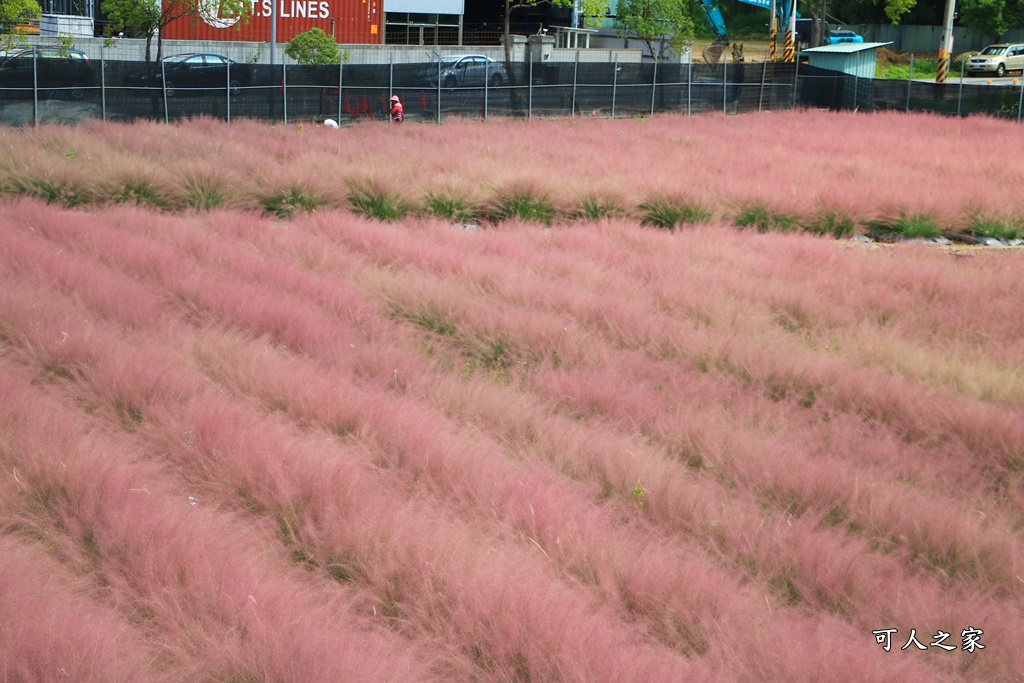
715,20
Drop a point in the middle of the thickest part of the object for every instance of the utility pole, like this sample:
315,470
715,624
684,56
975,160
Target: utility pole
772,33
946,42
273,29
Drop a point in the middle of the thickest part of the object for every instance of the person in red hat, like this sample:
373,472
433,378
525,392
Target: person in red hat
397,110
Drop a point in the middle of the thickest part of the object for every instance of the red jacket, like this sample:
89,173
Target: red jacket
397,112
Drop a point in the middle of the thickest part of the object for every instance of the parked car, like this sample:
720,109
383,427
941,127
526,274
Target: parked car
63,74
997,59
844,35
465,71
204,72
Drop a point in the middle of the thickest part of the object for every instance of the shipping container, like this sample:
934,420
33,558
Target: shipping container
348,21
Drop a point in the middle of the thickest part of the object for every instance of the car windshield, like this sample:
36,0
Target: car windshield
994,50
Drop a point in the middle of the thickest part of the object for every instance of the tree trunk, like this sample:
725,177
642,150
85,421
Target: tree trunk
508,35
149,45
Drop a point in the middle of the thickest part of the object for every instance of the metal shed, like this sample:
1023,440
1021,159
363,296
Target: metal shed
855,59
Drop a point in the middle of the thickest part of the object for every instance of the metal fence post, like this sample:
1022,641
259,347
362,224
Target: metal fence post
796,76
725,83
439,89
487,75
960,91
689,85
529,94
340,82
229,93
615,82
764,76
654,85
575,71
284,89
910,80
1020,102
103,85
163,84
391,74
35,88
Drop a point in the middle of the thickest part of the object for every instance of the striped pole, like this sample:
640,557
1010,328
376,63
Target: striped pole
943,69
772,35
946,42
789,55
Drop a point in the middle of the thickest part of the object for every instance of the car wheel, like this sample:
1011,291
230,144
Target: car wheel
169,88
236,86
449,81
495,81
1000,71
76,93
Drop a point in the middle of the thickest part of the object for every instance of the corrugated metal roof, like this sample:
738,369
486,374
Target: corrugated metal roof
846,48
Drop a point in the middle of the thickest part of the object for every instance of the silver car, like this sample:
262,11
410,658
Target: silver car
997,59
465,71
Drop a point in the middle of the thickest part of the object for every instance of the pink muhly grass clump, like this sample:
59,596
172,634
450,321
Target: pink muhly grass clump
200,582
790,648
52,630
861,166
109,292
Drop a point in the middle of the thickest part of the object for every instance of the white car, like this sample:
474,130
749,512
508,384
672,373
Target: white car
460,71
997,59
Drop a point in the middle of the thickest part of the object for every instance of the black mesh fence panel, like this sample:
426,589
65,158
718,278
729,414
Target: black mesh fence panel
127,91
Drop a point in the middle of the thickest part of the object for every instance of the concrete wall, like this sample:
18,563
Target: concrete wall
926,38
133,49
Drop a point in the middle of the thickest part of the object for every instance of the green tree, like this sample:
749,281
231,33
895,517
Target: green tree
313,47
991,17
895,9
881,11
13,12
650,21
150,17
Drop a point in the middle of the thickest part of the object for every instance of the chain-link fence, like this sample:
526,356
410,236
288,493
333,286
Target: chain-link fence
67,90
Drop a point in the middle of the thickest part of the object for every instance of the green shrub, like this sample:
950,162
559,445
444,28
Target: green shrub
62,192
669,214
203,194
998,228
449,206
286,203
831,222
923,68
917,225
523,204
763,219
313,47
594,209
141,192
379,203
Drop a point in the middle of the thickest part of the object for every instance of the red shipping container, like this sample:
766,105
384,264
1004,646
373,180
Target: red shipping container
348,21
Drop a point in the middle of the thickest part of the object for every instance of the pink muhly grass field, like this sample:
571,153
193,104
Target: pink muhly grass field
250,435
